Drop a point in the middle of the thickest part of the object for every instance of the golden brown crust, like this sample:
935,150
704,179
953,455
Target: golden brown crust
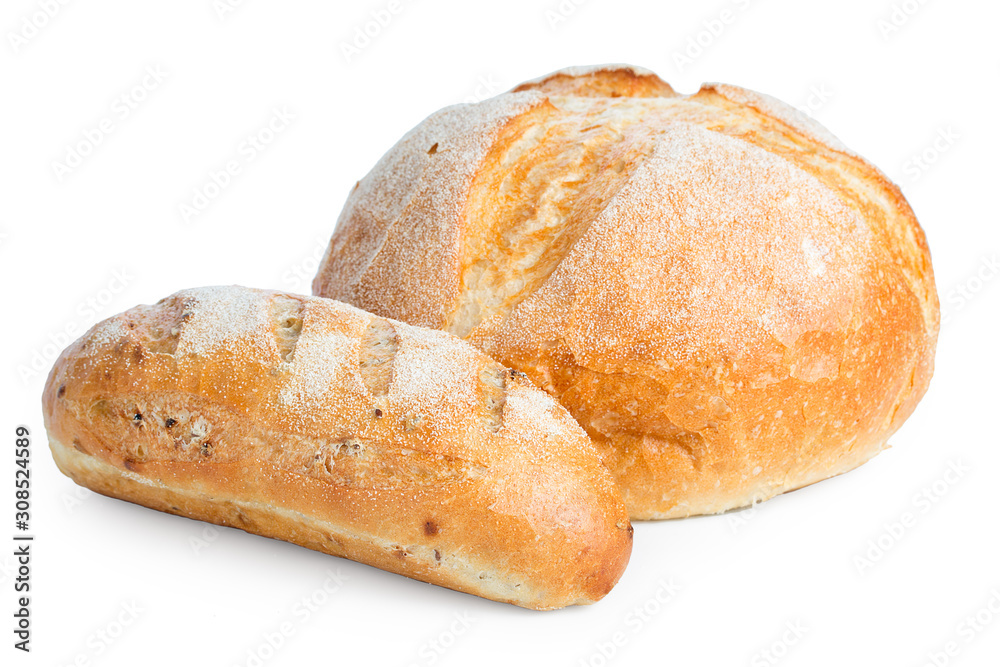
397,224
600,81
310,421
729,301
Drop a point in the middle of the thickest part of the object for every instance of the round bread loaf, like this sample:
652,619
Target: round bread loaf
731,302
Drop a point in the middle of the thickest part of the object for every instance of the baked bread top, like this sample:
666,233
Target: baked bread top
730,301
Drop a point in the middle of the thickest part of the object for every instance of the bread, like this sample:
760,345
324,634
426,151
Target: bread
313,422
731,302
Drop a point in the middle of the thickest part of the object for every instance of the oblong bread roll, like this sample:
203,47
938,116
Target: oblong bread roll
310,421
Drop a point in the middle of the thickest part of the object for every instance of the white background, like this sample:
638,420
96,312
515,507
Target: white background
926,87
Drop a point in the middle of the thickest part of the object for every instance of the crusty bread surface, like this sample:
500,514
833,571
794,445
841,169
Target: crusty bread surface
310,421
729,301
